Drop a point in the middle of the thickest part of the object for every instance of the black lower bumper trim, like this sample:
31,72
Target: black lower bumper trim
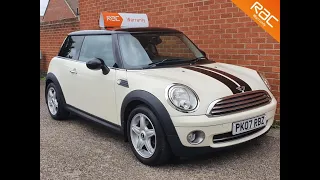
180,150
225,137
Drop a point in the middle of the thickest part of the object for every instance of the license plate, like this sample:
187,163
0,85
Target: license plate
249,124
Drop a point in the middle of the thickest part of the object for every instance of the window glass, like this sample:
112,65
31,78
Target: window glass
71,47
140,50
98,46
132,52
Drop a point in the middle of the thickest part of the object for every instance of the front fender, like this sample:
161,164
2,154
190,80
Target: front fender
154,104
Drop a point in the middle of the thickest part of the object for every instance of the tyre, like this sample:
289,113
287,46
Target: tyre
54,103
146,137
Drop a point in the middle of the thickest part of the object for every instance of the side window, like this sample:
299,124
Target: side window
71,47
97,46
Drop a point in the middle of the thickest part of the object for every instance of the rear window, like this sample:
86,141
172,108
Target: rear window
71,47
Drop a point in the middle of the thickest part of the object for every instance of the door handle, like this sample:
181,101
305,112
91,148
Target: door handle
73,71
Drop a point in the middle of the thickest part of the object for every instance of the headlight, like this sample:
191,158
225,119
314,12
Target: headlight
182,98
264,80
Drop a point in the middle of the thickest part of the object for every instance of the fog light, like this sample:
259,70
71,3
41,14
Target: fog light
195,137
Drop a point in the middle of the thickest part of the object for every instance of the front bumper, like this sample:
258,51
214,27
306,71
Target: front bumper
213,126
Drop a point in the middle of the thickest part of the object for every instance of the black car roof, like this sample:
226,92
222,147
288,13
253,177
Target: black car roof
124,30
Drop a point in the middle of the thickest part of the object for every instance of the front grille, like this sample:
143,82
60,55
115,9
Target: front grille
239,102
228,136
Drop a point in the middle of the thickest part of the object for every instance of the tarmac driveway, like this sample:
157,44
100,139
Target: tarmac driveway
78,149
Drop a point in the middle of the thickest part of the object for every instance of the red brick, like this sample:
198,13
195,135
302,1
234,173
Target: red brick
251,57
258,63
273,63
265,58
218,31
275,69
228,15
243,51
232,9
244,19
252,46
220,1
265,46
224,45
276,58
237,56
244,62
238,45
231,51
193,9
265,69
219,21
244,40
272,52
219,51
231,41
198,4
225,26
258,40
251,24
232,20
231,30
226,5
239,14
224,56
241,30
231,61
219,11
258,51
276,81
215,26
226,36
188,5
252,35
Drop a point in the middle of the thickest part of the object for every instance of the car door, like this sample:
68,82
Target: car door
66,68
95,91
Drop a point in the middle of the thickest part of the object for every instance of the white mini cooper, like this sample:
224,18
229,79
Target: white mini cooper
158,89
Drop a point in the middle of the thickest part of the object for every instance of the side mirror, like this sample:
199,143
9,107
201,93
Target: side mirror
204,53
97,64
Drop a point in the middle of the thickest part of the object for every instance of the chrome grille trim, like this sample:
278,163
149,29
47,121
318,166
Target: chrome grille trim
238,103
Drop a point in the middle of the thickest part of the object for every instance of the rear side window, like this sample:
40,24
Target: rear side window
71,47
97,46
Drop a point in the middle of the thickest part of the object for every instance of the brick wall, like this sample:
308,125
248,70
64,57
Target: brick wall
57,10
52,35
218,27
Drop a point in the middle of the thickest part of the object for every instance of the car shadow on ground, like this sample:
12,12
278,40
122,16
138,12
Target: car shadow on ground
223,154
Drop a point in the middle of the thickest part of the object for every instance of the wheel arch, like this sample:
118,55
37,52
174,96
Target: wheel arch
51,78
138,97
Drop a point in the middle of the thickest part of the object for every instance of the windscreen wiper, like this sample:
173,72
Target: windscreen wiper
195,60
159,62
